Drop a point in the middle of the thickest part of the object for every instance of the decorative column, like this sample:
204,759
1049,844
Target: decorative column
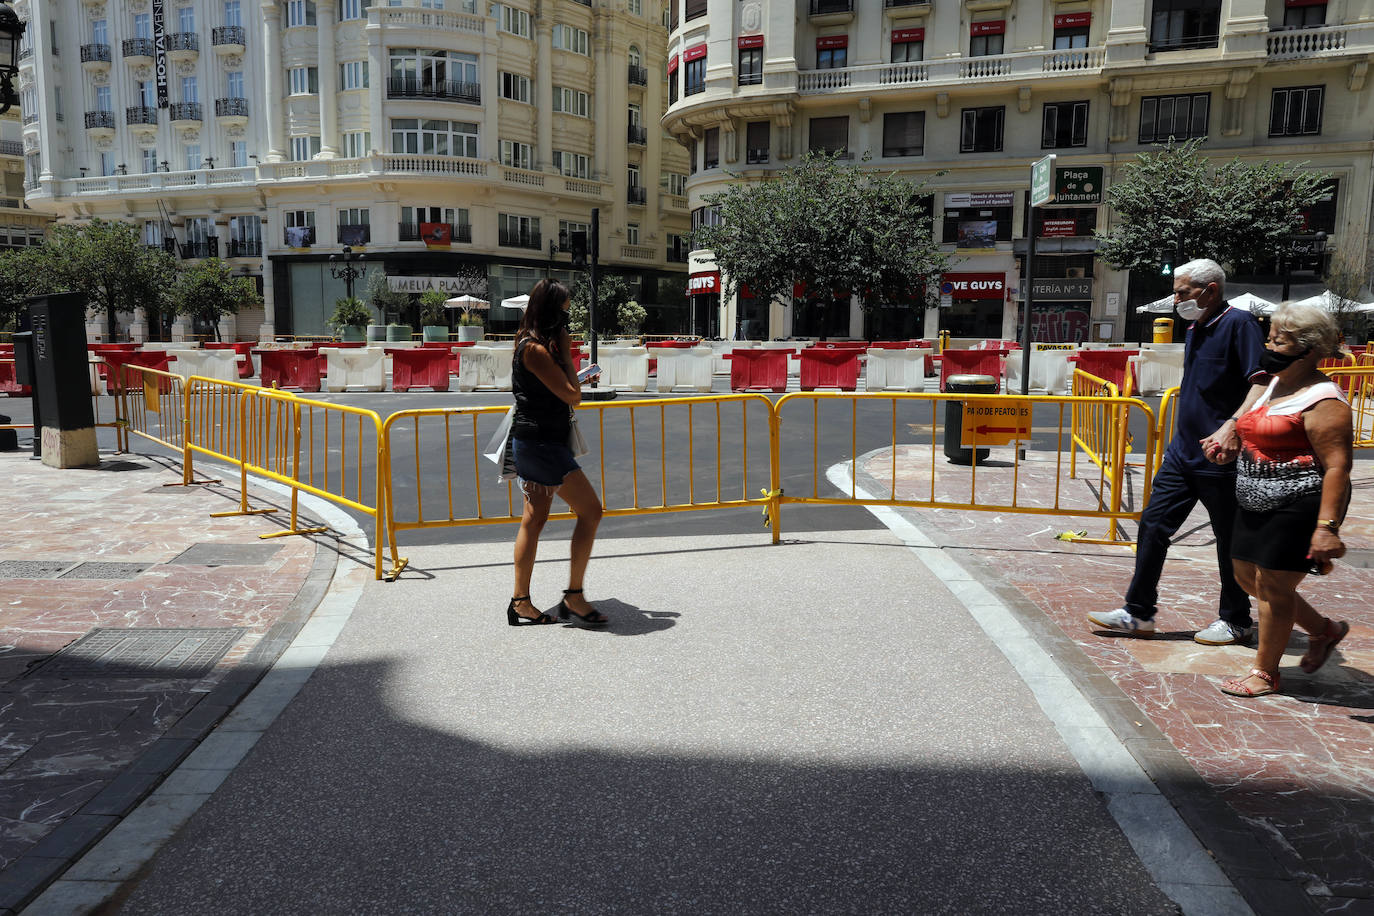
543,88
379,70
47,111
268,330
329,82
272,81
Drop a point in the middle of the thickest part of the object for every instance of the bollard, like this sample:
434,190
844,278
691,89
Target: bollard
954,416
1164,330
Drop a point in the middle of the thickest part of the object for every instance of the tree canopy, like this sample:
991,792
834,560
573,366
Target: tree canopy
21,276
207,290
829,225
612,297
111,265
1173,202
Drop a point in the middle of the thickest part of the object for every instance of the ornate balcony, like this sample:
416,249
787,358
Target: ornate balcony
1030,65
400,87
186,112
95,57
245,249
140,115
100,123
228,39
529,239
138,50
231,110
637,134
183,45
206,249
635,194
638,76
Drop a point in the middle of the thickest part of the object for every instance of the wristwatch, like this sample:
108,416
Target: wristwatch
1330,524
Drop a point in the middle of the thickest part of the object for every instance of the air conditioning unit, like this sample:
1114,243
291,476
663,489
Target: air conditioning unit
1076,273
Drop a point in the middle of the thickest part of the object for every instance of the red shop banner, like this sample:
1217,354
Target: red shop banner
995,27
903,35
974,285
750,41
1073,20
702,284
831,42
1058,228
694,53
672,64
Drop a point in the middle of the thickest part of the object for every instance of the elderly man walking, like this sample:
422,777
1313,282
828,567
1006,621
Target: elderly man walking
1220,361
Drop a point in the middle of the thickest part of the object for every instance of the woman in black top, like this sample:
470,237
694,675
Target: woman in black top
546,390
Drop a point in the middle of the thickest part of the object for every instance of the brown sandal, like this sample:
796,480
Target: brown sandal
1319,645
1236,685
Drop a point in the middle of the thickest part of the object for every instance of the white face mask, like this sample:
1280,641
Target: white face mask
1189,310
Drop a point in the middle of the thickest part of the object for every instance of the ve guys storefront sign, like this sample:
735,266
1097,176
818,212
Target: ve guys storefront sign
974,286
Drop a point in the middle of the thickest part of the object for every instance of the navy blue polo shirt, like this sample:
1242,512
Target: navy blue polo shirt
1220,363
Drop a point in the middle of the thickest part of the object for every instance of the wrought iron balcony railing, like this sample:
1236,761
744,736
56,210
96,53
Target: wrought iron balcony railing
140,114
227,35
402,87
100,119
95,52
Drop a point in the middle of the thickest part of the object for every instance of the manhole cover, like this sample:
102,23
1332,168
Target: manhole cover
173,653
33,569
227,554
106,571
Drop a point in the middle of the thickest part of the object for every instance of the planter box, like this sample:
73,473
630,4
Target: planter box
396,333
435,333
350,335
466,332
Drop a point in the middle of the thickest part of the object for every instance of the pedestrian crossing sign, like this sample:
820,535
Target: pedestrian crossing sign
997,421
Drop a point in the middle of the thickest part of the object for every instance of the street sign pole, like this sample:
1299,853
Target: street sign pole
1042,192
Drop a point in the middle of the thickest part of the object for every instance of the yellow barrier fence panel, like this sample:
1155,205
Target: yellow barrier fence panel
217,427
152,405
1358,386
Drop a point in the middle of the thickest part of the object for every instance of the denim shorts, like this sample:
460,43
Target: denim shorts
545,463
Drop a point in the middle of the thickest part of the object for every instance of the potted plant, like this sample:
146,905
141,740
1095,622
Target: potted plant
470,326
350,318
433,316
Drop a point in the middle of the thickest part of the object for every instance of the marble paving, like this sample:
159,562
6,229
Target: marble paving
62,741
1298,767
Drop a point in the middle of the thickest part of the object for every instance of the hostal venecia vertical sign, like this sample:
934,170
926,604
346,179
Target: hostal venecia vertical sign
160,51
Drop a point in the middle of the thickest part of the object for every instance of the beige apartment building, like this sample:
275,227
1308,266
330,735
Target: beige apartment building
449,141
980,89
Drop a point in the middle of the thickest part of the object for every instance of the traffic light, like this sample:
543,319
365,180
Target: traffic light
579,250
1166,263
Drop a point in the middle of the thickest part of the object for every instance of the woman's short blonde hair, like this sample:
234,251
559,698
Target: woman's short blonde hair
1311,326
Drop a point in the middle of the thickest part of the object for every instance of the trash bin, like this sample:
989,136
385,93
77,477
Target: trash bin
1164,330
954,415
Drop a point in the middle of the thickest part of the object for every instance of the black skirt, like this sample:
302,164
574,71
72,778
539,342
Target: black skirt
1277,538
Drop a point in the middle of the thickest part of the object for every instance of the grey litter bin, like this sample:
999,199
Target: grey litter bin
954,415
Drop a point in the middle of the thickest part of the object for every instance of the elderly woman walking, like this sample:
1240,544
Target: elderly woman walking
1292,487
546,389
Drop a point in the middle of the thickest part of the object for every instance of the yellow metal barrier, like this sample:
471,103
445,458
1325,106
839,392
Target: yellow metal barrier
1092,420
1164,431
1358,386
915,435
685,454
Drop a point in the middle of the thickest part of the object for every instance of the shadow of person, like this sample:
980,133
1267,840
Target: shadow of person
1332,686
628,620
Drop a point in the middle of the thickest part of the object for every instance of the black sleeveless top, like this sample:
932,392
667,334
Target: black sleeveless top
539,413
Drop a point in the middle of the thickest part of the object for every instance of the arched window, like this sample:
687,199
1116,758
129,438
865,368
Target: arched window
635,58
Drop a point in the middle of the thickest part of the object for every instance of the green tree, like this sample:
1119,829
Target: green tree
207,290
21,276
611,295
108,262
1348,278
1172,203
829,225
383,298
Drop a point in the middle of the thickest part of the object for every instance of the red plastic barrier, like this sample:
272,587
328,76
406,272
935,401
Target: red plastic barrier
971,362
301,369
245,351
671,344
839,345
1108,364
8,386
343,344
113,347
822,368
891,345
421,367
148,359
752,368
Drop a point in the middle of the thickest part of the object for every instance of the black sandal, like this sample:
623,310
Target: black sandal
593,619
516,619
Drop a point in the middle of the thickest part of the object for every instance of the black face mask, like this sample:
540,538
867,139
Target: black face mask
1274,363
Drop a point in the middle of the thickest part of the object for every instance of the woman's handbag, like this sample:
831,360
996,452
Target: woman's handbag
576,442
499,450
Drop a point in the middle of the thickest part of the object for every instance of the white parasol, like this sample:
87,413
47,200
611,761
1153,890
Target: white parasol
1334,303
466,302
1163,306
1251,303
516,302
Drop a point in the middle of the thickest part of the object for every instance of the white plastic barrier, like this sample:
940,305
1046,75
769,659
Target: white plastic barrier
1049,368
1159,367
624,367
484,366
361,366
222,365
719,364
681,367
896,370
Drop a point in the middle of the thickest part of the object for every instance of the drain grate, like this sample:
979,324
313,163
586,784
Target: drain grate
227,554
189,652
33,569
106,571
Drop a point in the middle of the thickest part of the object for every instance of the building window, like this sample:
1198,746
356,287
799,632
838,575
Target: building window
635,7
100,32
515,87
904,133
675,183
238,154
1177,25
985,38
694,76
518,231
757,140
193,158
1181,117
434,138
1304,15
300,228
233,13
515,21
1071,30
517,155
694,9
190,89
980,130
424,70
573,165
353,9
152,233
300,12
568,38
672,86
632,233
357,144
147,94
304,80
1296,112
149,158
186,19
1321,215
830,136
143,25
977,227
353,75
750,66
1065,124
566,228
691,157
107,164
303,148
710,145
233,84
906,49
570,101
832,53
102,98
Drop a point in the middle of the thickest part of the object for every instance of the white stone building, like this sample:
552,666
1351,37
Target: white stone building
981,89
443,138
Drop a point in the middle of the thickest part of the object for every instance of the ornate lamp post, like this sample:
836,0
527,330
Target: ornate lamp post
11,31
348,273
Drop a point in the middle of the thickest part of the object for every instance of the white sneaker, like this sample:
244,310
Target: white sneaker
1221,633
1122,621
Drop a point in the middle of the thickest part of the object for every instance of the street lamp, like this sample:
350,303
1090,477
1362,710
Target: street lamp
11,31
348,273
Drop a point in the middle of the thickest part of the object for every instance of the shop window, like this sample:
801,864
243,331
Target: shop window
1296,112
756,144
977,227
981,130
985,38
1179,25
1066,39
907,47
1304,14
672,86
694,76
832,58
904,133
1181,117
1065,124
750,66
830,135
